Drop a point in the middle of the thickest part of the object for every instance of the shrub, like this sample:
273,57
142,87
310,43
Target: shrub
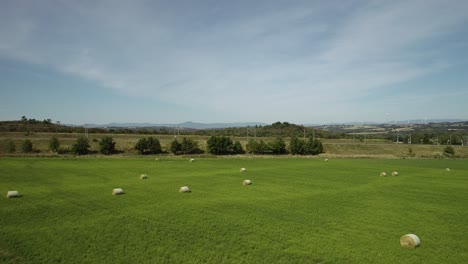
278,146
237,148
260,147
54,144
313,147
27,146
153,145
175,147
296,146
187,146
219,145
107,145
449,151
309,147
148,145
10,146
81,146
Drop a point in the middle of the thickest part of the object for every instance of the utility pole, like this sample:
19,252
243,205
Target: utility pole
86,131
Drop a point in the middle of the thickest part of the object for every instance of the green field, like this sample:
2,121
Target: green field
296,211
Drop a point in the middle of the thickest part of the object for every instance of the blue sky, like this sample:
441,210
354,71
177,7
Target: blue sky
233,61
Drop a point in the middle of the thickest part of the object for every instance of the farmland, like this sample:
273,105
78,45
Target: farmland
125,143
297,210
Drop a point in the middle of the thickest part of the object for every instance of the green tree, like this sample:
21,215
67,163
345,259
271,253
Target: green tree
107,145
260,147
296,146
153,145
141,145
220,145
81,146
313,147
175,147
189,146
278,146
237,148
449,151
252,146
27,146
54,144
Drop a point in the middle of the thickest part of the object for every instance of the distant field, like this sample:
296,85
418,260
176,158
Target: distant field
296,211
332,147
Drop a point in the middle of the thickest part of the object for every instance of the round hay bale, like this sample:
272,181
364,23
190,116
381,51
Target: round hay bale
326,159
13,194
143,177
410,241
192,160
243,170
447,169
156,159
117,191
246,182
395,173
383,174
184,189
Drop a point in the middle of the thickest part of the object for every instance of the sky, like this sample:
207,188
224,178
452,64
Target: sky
306,62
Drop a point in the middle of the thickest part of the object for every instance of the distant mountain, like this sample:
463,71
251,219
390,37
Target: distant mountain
188,124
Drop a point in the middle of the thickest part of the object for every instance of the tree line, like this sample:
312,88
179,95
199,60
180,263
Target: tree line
215,145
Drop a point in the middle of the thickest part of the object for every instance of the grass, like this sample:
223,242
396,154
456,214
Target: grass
295,211
125,143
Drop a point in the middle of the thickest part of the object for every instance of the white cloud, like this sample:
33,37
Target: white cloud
281,59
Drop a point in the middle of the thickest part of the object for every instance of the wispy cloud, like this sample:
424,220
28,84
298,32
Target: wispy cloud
218,57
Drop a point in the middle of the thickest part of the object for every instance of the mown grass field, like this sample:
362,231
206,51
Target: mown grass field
296,211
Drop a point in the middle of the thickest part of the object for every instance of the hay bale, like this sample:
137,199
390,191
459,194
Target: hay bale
143,176
156,159
13,194
243,170
383,174
326,159
184,189
192,160
447,169
117,191
246,182
395,173
410,241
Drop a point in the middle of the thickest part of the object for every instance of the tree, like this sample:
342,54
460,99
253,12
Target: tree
278,146
313,147
141,145
153,146
27,146
296,146
255,147
175,147
107,145
189,146
237,148
449,151
81,146
220,145
148,145
54,144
